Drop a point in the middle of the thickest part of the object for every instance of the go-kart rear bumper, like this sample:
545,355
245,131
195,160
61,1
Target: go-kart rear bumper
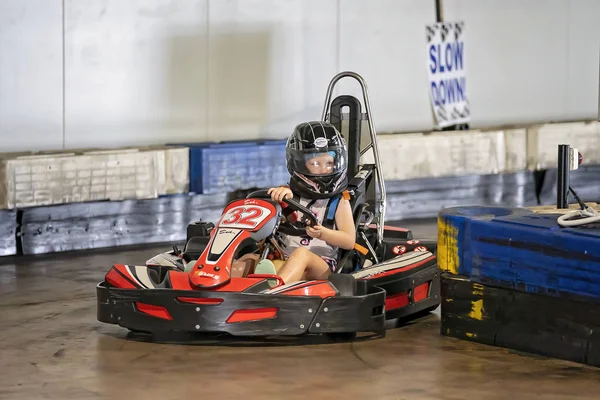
409,290
242,314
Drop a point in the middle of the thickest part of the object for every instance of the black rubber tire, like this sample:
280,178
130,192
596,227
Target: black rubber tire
341,336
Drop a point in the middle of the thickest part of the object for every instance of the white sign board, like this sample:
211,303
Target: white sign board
447,76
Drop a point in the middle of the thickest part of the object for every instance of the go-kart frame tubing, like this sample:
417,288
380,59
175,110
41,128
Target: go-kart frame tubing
381,202
296,315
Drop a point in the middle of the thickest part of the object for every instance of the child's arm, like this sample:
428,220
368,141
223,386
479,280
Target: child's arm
345,235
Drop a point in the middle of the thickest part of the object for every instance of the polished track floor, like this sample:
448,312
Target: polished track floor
52,347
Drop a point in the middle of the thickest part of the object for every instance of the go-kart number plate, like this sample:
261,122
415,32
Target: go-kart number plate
244,217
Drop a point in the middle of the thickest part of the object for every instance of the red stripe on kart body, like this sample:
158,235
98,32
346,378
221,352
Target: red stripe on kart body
396,301
119,279
322,289
155,311
402,299
253,314
201,300
295,285
124,270
389,228
421,292
400,269
205,274
180,280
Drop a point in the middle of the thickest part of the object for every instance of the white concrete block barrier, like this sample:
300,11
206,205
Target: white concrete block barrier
50,178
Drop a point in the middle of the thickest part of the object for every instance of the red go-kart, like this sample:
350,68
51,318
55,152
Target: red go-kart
387,275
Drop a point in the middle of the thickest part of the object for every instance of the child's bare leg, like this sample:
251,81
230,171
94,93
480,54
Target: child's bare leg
243,265
303,261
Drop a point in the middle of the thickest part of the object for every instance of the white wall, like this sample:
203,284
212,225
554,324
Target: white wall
530,61
136,72
269,65
156,71
31,78
384,41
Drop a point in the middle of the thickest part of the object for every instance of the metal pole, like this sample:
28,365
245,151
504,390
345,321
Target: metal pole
439,12
381,206
562,183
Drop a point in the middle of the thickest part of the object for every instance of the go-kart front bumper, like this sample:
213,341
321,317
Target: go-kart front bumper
240,314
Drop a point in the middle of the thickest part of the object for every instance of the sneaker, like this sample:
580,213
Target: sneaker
187,267
265,267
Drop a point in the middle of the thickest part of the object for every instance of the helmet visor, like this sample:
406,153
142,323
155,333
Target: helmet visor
318,163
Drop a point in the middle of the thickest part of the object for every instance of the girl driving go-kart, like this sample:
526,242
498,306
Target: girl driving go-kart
326,229
316,156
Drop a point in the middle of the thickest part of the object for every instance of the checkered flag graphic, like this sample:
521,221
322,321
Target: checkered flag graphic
445,30
431,31
441,114
456,113
458,29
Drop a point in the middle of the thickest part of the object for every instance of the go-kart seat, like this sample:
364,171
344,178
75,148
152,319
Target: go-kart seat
357,187
345,260
160,277
194,247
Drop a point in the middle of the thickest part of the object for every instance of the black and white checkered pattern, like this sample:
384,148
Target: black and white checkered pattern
446,30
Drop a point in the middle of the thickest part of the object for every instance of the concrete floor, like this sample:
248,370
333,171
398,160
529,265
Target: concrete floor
52,347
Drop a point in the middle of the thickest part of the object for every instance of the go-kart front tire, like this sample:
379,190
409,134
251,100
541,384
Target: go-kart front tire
341,336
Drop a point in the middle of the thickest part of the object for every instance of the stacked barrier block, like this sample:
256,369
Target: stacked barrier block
219,167
231,166
100,224
516,279
273,168
62,177
8,232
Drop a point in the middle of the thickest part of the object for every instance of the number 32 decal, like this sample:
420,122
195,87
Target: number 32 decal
244,217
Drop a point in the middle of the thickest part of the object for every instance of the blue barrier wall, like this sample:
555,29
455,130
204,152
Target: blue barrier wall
516,248
230,166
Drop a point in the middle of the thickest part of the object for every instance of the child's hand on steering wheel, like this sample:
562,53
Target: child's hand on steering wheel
315,232
280,193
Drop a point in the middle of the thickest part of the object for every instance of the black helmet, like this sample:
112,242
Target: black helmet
317,159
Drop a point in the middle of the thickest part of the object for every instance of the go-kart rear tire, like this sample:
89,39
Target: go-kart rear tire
341,336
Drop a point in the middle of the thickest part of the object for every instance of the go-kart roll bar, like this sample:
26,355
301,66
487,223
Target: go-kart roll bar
374,144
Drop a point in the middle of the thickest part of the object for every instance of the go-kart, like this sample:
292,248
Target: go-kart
387,275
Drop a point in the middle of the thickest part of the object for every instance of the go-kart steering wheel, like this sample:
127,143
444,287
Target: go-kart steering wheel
287,227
